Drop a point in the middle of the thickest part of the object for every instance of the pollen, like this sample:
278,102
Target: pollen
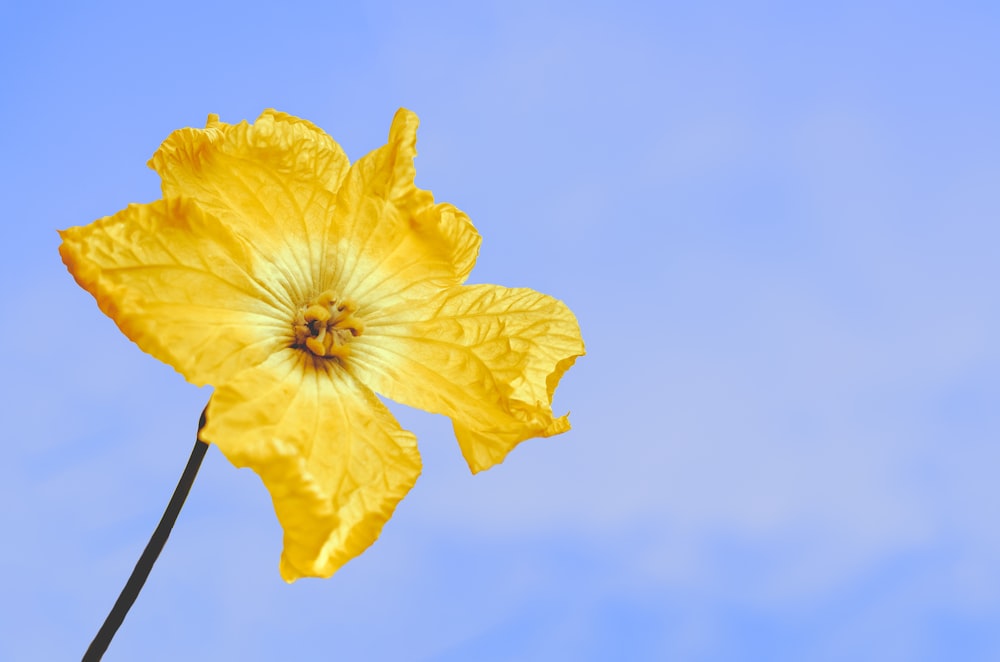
326,325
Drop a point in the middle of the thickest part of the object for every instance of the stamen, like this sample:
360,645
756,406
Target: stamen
315,346
326,325
318,313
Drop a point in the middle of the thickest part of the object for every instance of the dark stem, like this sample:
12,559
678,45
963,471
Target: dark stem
150,554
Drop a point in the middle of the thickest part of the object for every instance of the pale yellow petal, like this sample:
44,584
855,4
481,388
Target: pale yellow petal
273,183
332,456
488,357
182,286
389,241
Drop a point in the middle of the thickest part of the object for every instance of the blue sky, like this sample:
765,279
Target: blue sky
776,222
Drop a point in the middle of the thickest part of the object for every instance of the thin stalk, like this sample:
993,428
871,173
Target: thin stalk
142,568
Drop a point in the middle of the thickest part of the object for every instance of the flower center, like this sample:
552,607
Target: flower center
325,326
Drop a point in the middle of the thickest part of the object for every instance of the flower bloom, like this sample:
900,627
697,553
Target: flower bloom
299,285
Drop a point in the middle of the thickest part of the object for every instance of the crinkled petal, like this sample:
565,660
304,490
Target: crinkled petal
182,286
273,182
390,241
334,459
488,357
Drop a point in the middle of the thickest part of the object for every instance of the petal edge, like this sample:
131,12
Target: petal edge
333,458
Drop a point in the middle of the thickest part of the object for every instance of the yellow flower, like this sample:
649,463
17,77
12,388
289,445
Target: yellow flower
299,285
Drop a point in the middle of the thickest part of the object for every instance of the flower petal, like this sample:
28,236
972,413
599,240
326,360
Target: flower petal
332,456
273,182
182,286
391,242
488,357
